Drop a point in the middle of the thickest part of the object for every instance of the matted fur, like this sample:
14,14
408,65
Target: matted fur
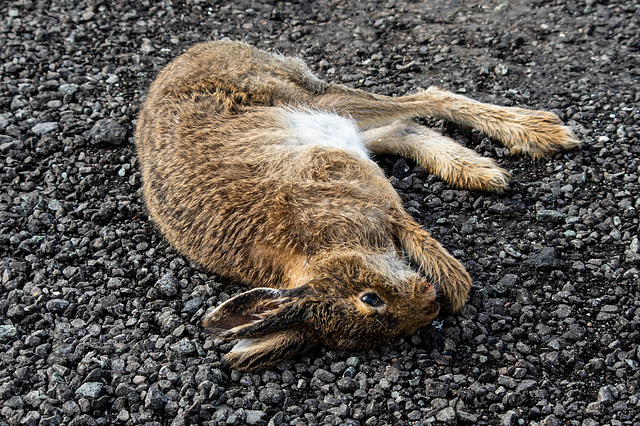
238,180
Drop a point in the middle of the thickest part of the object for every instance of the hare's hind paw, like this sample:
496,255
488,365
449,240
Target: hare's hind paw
481,174
537,134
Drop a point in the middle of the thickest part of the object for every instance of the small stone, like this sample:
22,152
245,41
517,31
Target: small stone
632,273
68,89
594,409
83,420
563,311
71,408
545,259
414,415
7,333
501,69
87,16
57,305
253,416
167,285
108,131
506,381
353,361
192,305
6,146
436,389
552,216
507,282
522,295
554,344
90,389
43,128
509,418
31,418
183,347
525,385
270,395
54,205
155,400
113,79
467,418
347,385
447,415
607,395
123,415
523,348
146,47
550,420
324,375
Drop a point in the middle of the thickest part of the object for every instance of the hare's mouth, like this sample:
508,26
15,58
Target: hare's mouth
437,287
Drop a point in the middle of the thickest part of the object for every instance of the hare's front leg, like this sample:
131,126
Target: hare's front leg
457,165
444,270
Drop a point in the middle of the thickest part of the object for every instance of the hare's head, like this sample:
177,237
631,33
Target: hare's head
352,302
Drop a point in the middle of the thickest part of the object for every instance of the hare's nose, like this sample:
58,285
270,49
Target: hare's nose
425,287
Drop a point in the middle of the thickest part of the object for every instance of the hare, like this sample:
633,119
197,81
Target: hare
262,173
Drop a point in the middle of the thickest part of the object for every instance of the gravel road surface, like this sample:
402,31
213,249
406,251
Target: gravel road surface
100,318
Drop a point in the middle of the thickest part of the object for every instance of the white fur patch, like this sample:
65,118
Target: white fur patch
316,128
244,344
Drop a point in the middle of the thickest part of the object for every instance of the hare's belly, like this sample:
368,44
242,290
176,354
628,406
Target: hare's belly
315,128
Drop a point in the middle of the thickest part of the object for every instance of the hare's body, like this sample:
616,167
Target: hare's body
261,172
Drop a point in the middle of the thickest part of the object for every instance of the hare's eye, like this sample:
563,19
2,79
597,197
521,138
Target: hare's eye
372,299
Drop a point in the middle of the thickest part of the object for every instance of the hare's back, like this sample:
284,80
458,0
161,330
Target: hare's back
252,76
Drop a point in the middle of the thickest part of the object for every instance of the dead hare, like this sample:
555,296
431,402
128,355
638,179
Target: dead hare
262,173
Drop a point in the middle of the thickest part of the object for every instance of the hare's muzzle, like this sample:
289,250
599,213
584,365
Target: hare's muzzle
425,288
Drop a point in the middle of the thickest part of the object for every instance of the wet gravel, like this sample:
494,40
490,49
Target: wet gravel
99,317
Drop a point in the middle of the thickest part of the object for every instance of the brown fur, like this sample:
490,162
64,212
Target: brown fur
319,229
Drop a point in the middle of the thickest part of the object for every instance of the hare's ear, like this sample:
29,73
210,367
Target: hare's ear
271,324
264,352
244,315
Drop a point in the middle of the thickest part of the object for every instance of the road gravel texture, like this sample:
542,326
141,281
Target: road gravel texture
100,318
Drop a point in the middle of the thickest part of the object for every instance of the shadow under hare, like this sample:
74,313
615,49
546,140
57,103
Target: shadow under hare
261,172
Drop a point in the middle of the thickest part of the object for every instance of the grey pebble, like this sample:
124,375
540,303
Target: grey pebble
551,216
57,305
545,259
68,89
447,415
155,400
192,305
607,395
184,347
324,375
253,417
108,131
7,333
167,285
43,128
90,389
271,396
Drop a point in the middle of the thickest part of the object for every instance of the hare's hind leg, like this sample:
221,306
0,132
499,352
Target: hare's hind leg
534,133
457,165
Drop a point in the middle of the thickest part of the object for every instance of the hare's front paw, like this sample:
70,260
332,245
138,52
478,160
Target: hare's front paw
448,274
537,134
